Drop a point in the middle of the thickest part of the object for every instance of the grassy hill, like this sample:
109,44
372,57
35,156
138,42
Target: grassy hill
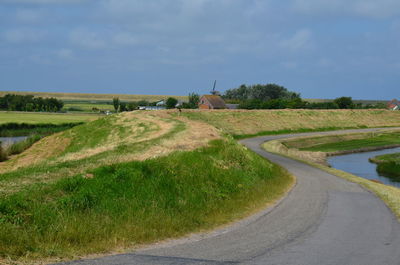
124,180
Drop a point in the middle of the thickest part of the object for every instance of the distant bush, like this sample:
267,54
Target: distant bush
389,169
74,109
29,103
345,103
260,92
171,103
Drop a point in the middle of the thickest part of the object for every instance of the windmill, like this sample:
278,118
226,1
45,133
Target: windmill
213,91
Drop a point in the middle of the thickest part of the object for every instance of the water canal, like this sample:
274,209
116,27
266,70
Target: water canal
11,140
358,164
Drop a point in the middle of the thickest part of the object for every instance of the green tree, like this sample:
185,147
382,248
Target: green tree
260,92
116,103
344,102
122,107
171,103
193,100
132,106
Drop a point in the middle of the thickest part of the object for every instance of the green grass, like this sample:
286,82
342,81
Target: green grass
126,204
370,140
40,118
388,165
88,107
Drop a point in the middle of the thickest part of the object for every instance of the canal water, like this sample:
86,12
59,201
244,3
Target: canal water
358,164
10,140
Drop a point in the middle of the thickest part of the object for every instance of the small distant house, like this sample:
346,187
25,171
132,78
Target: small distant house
212,102
160,103
151,108
394,105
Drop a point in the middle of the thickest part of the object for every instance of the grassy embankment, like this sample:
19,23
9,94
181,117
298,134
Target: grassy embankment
388,165
125,180
350,142
245,123
340,143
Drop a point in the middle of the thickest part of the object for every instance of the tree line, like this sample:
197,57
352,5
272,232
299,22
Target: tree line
273,96
14,102
169,103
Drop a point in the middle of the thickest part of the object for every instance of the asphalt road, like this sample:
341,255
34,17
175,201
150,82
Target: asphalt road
323,220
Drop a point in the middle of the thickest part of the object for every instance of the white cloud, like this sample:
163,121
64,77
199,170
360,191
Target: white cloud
23,35
301,40
42,1
289,65
87,39
65,53
368,8
27,15
39,59
125,38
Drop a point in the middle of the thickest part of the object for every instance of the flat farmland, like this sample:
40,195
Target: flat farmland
93,98
87,107
38,118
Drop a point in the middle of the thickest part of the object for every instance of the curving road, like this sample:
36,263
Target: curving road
324,220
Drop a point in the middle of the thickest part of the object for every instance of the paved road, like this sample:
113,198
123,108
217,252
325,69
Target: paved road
323,220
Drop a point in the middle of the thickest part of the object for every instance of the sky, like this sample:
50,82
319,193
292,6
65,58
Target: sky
319,48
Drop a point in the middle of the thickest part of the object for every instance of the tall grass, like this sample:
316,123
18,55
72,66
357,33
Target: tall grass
21,146
18,147
137,202
24,129
390,170
388,165
3,154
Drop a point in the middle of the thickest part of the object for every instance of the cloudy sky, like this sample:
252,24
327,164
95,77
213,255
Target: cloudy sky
320,48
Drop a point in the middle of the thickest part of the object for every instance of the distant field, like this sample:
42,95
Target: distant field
260,122
93,98
36,118
87,107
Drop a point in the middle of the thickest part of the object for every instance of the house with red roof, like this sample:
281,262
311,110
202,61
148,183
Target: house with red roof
212,102
394,105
